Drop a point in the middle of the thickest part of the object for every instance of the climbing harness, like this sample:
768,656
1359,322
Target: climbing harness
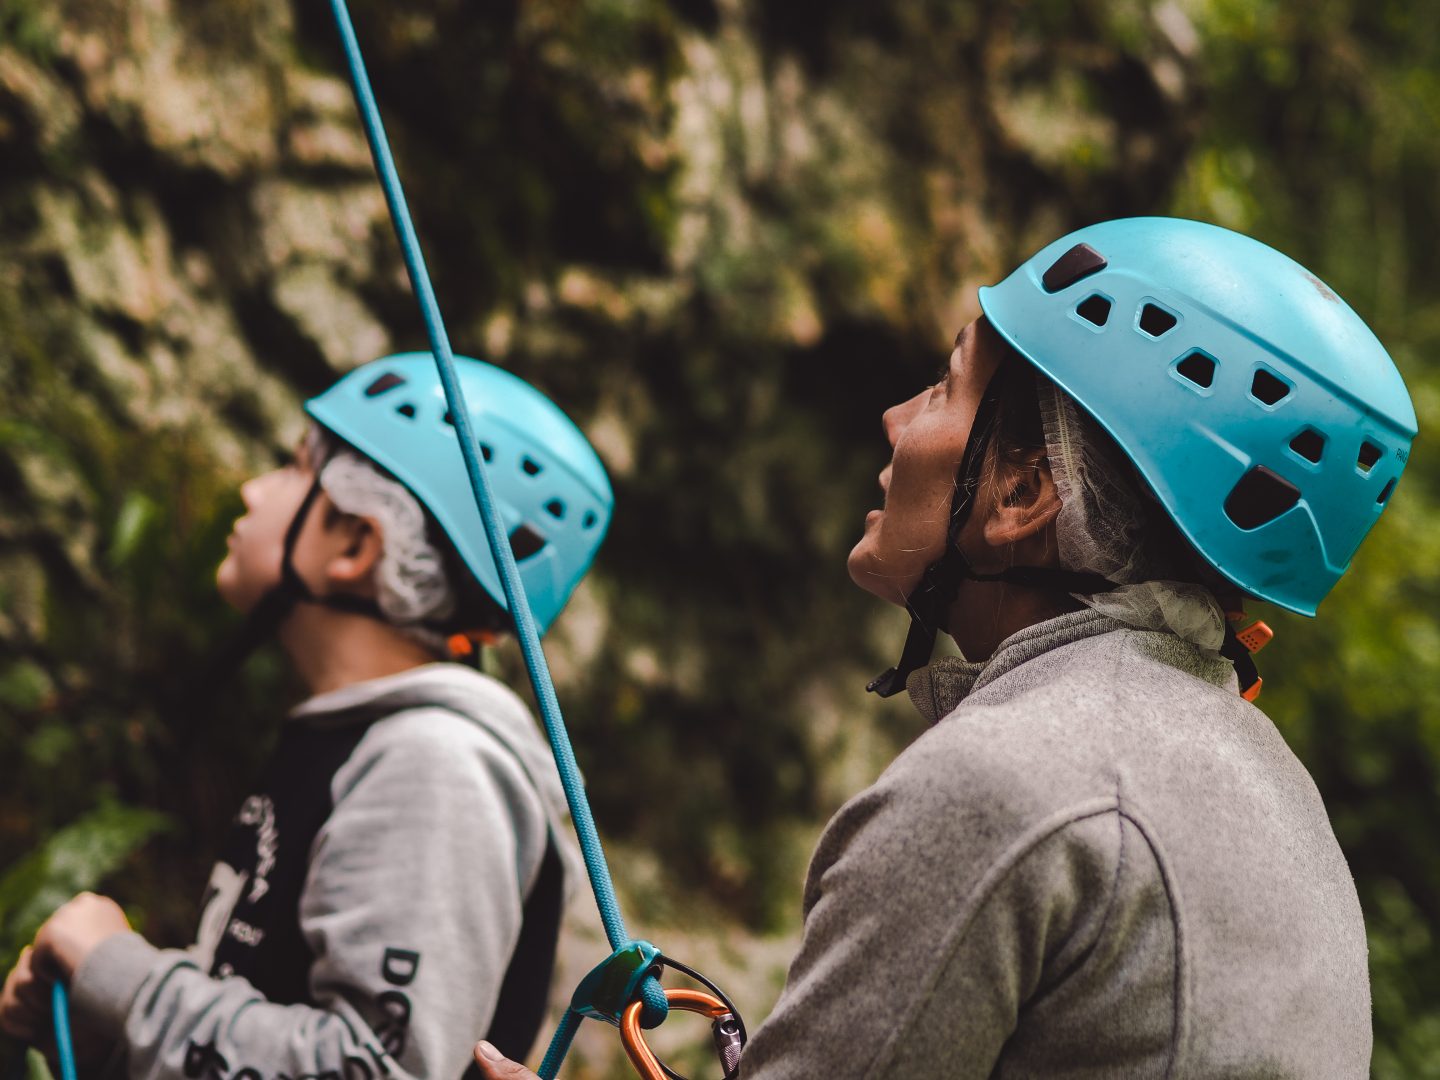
627,981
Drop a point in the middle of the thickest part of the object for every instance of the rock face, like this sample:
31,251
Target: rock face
724,235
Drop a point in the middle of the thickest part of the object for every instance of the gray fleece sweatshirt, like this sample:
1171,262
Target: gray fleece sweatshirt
1102,863
370,903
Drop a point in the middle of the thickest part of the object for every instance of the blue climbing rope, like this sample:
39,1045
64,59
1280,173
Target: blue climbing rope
64,1044
519,606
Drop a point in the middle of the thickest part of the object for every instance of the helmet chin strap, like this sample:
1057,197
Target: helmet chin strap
292,588
274,607
929,604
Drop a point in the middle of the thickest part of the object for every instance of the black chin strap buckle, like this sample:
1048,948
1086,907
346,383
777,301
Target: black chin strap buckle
919,644
929,605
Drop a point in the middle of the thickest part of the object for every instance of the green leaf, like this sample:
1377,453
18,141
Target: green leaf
75,859
24,686
137,514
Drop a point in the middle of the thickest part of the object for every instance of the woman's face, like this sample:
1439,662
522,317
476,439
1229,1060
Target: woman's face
927,435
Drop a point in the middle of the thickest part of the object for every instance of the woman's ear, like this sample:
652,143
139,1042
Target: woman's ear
1023,501
352,562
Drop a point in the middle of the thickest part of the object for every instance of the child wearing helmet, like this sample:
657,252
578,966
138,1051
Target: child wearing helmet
1102,860
393,884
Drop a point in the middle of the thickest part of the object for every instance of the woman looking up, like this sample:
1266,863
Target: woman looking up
1102,860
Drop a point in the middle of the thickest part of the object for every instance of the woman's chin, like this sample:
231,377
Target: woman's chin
865,568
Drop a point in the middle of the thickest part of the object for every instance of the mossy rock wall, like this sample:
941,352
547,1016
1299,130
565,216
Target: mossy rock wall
723,235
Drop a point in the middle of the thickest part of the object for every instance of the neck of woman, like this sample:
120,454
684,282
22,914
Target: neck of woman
985,613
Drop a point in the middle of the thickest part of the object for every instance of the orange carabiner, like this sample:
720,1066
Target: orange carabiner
641,1056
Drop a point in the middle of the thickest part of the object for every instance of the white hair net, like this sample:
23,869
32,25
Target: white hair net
410,581
1102,528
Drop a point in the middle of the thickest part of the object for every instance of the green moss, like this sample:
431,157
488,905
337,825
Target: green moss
24,686
31,27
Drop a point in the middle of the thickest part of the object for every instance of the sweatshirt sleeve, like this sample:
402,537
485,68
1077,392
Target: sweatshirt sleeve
412,907
935,906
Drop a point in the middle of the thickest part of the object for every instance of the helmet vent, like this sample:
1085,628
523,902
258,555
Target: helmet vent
525,542
486,452
1369,455
1260,496
448,418
555,508
588,521
1309,444
1156,321
387,381
1385,494
1268,389
1094,309
1079,262
531,466
1197,368
406,410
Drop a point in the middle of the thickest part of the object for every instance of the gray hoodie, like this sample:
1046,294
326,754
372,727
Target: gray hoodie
1101,862
375,887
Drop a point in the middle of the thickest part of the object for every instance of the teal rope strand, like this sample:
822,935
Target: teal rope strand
560,1044
519,606
64,1044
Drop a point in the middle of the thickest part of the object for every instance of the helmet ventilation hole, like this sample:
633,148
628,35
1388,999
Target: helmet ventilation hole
1385,492
448,418
555,508
1079,262
485,452
1310,445
1094,309
387,381
1267,388
530,465
1156,321
525,542
588,521
1369,455
407,410
1197,368
1260,496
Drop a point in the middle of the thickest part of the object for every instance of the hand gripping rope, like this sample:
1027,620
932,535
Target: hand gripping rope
627,981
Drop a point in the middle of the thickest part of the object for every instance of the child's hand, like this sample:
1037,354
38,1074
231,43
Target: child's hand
493,1066
69,935
25,1001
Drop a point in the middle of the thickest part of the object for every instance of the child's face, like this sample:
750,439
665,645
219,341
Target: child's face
257,540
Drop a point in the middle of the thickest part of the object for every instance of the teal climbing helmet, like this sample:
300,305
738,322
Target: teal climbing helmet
1263,413
549,485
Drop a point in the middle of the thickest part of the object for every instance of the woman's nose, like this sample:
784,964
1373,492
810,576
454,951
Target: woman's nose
897,418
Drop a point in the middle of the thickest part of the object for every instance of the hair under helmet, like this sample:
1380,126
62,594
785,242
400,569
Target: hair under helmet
1102,529
410,582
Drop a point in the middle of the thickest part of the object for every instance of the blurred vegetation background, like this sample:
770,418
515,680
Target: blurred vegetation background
723,234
